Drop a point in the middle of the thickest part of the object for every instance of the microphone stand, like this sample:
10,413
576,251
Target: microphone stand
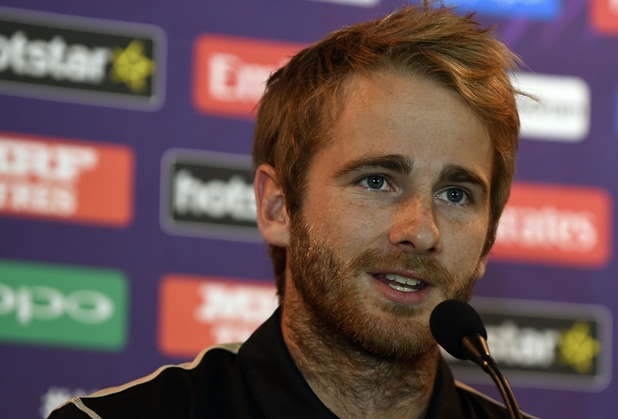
476,350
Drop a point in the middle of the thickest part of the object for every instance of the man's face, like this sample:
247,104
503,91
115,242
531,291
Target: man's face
395,214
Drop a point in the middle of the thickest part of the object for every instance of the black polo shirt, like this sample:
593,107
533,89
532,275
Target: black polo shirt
257,379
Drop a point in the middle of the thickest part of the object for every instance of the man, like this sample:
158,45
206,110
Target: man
384,156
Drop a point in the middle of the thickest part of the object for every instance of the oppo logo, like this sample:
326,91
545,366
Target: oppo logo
70,306
43,303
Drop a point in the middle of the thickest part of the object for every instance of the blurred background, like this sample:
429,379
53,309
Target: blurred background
127,225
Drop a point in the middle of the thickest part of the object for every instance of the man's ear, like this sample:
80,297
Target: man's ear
272,215
480,268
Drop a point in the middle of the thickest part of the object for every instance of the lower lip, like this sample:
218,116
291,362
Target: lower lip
400,297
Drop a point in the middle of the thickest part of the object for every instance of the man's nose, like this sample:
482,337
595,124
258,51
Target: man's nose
414,227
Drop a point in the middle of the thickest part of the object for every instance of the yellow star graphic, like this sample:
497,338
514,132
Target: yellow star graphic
578,348
131,66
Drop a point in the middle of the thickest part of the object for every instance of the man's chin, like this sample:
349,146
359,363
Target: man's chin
400,348
385,335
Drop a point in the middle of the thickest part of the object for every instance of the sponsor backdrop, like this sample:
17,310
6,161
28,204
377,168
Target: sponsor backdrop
127,218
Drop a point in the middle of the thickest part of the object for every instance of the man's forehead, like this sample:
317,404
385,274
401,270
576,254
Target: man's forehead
369,127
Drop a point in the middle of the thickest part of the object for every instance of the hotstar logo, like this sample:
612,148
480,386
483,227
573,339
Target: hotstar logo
131,66
54,58
208,194
78,58
578,348
552,344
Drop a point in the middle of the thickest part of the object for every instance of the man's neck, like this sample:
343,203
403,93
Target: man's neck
351,382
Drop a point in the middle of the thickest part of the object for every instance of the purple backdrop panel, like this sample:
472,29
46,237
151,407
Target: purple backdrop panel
126,205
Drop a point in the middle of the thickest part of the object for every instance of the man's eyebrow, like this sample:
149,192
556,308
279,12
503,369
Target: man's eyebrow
393,162
455,173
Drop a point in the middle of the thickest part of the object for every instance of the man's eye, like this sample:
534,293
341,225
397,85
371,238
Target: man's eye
375,182
454,196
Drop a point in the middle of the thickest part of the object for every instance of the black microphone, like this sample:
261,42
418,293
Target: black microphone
458,328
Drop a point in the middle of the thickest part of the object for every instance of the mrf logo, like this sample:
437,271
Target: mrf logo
89,60
66,180
208,194
197,312
547,344
62,305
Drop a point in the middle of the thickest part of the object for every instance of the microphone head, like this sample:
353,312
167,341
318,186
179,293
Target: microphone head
451,321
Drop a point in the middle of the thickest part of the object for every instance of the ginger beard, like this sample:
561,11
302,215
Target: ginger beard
328,286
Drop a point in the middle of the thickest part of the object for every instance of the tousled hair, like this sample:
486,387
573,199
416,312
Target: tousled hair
299,106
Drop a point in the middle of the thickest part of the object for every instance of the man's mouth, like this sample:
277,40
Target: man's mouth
401,283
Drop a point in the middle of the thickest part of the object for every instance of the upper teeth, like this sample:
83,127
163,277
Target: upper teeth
403,280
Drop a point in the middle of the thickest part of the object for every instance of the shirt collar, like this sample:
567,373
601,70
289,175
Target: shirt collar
281,390
277,384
